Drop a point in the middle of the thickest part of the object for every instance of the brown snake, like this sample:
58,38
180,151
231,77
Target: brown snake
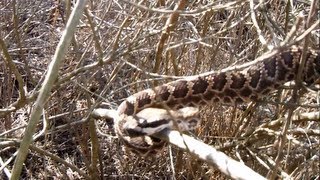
145,113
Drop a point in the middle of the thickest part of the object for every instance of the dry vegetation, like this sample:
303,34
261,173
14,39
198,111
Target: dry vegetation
131,41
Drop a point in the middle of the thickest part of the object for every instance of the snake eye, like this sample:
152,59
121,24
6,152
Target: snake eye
134,132
142,121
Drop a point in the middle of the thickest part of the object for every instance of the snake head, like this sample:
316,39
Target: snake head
150,121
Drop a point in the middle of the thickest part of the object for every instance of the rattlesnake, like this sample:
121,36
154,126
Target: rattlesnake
145,113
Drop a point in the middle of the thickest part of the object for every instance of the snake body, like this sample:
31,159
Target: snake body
230,86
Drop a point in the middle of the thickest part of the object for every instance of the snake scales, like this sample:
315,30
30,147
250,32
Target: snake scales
145,113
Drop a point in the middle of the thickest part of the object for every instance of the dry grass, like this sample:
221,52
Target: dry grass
129,40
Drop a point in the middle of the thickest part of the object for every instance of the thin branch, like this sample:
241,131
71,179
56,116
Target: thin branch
46,88
48,154
169,26
7,58
256,25
210,155
209,7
